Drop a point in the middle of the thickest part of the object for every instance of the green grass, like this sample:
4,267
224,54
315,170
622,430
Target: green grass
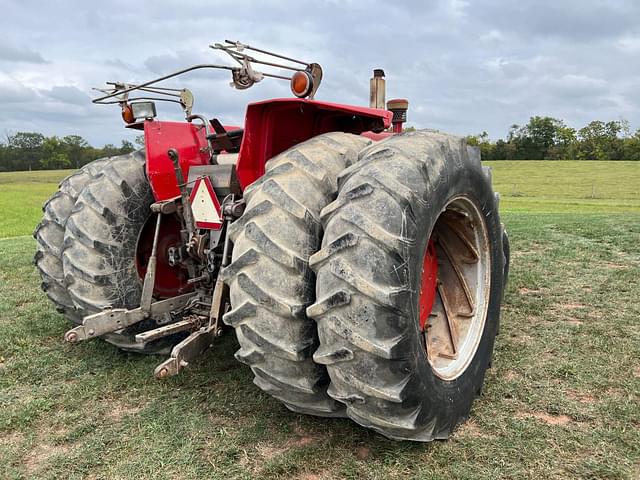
561,401
21,197
568,186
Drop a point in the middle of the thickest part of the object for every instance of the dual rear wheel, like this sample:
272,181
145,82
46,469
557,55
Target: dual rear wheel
396,328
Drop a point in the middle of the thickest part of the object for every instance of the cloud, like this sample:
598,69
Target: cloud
492,35
12,53
14,92
67,94
629,43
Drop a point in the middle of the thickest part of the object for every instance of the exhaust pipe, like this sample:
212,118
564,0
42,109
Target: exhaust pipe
377,89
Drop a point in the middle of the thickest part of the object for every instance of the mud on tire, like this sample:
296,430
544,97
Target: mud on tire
368,279
270,281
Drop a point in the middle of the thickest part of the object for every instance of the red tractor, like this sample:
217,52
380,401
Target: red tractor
361,267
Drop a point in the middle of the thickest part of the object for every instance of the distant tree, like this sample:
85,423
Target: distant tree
54,154
534,140
4,158
486,147
600,141
503,150
565,144
631,147
139,141
56,161
126,147
76,147
29,144
109,150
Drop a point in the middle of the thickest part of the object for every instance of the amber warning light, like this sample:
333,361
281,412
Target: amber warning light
301,84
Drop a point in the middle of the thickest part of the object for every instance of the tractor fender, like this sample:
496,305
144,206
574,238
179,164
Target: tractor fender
273,126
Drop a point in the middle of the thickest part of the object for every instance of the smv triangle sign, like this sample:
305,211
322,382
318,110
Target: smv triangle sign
205,206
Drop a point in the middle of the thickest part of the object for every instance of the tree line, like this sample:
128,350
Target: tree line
34,151
547,138
542,138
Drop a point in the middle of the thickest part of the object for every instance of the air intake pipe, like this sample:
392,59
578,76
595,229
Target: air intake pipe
399,107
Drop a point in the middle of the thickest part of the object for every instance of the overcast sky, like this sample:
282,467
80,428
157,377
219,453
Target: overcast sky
465,66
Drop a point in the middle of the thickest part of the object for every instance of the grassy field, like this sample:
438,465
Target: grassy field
21,197
561,401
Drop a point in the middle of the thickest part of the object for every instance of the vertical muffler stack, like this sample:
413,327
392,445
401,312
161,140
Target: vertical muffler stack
377,89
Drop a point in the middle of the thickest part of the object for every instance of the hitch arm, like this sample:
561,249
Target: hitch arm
150,277
113,319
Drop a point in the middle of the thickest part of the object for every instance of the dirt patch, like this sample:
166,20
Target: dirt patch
13,438
469,429
303,438
522,338
616,266
534,292
362,452
524,253
268,451
574,321
565,312
310,476
571,306
511,375
636,372
547,418
614,392
581,397
303,441
40,455
118,410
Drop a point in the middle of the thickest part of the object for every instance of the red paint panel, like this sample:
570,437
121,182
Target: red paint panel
190,141
273,126
376,137
170,280
159,137
428,283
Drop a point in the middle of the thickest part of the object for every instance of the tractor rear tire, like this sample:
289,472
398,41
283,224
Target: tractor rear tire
49,235
269,279
369,280
99,250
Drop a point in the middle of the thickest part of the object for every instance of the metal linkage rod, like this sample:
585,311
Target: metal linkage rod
266,52
160,79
